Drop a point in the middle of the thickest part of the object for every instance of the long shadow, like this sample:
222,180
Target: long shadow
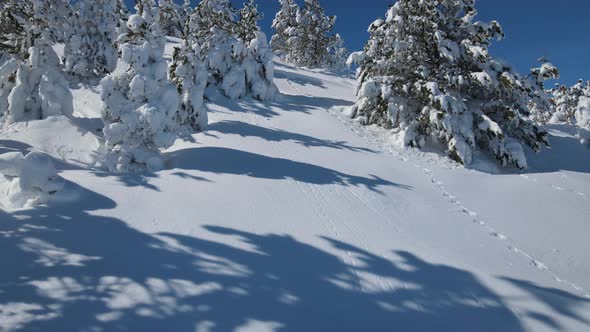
67,269
336,73
299,78
272,108
133,179
13,146
566,153
24,148
302,103
229,161
277,135
559,301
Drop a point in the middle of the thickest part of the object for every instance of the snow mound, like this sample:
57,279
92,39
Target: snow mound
27,180
60,137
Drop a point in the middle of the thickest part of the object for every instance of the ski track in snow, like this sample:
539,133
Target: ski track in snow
320,203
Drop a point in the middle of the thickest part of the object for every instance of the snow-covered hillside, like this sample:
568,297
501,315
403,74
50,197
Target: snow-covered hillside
288,216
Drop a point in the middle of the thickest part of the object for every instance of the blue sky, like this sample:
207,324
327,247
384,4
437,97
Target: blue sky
558,30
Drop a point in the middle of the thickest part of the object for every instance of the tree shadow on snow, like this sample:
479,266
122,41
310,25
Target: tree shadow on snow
304,104
67,269
283,102
329,72
131,179
299,78
559,301
566,153
277,135
229,161
13,146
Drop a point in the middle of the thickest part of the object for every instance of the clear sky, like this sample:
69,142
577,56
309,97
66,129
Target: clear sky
556,29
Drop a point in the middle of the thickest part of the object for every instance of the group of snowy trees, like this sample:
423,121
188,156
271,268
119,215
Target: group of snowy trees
148,102
305,37
32,85
426,73
235,51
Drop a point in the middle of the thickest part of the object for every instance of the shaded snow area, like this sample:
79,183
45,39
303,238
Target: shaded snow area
286,215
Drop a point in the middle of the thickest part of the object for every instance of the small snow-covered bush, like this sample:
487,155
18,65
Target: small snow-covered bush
28,180
140,104
259,68
583,119
189,74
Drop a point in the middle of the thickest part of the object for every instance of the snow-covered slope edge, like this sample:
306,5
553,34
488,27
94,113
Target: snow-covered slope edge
286,216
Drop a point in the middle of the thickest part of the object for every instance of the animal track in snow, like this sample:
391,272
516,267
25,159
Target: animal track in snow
453,200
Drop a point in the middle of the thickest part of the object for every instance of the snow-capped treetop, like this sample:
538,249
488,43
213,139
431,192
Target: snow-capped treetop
16,18
337,54
90,46
212,23
170,18
283,23
305,37
248,21
540,103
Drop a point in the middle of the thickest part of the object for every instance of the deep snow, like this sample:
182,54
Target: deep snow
287,216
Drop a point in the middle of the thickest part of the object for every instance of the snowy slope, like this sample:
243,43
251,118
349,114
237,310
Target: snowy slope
286,216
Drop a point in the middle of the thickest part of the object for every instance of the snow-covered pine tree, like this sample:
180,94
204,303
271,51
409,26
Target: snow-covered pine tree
169,18
426,73
189,74
337,54
140,103
212,20
258,60
212,27
284,23
32,84
185,13
540,103
314,36
563,108
248,21
305,37
90,48
16,18
122,13
259,68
